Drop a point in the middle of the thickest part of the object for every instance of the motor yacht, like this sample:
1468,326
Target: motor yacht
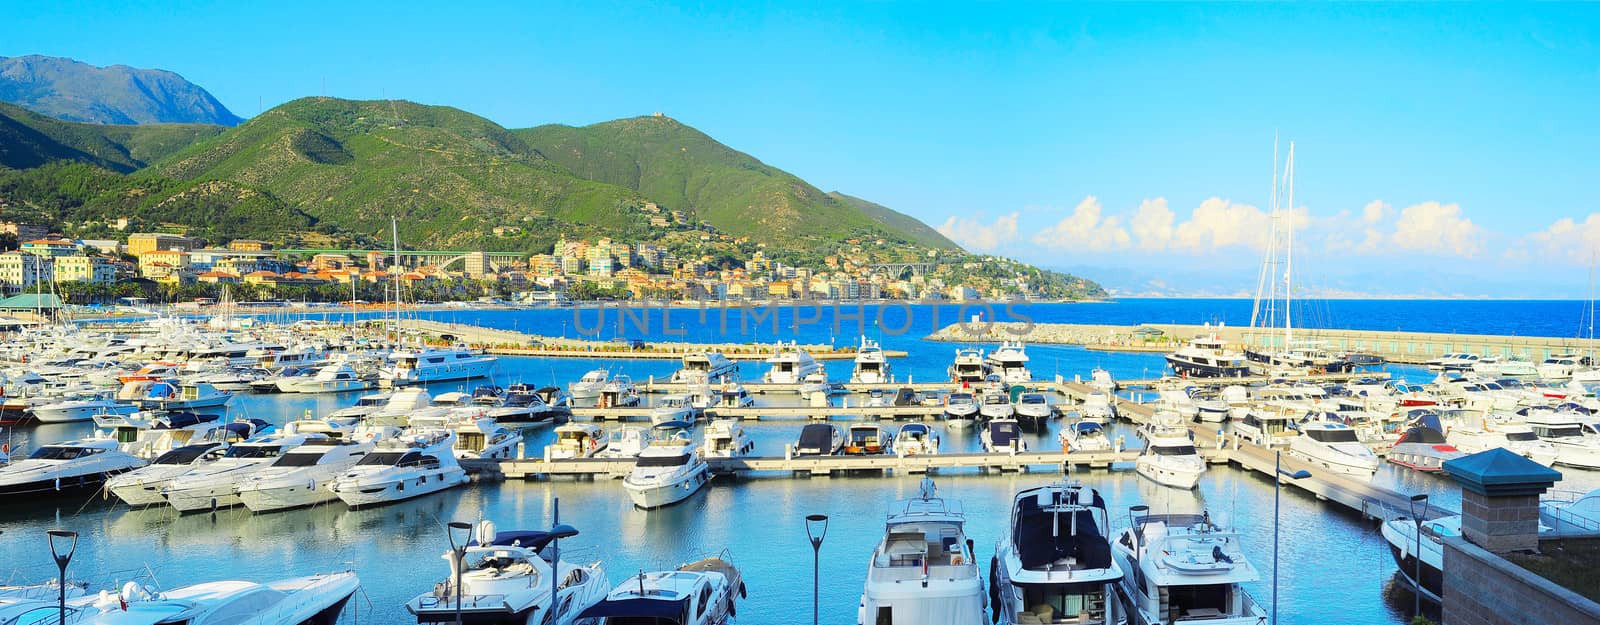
734,395
215,485
82,406
1169,458
70,468
588,386
814,387
675,409
1098,407
1033,412
960,411
1101,380
1003,436
1085,436
404,405
1512,436
626,442
819,439
301,475
524,404
915,439
1576,445
576,440
1559,367
335,378
1335,447
435,365
670,470
1054,563
697,593
995,403
1209,407
142,486
790,365
1010,362
506,579
1183,568
863,439
402,468
365,405
165,397
619,391
871,367
968,368
726,438
924,571
484,439
1268,426
705,367
1207,356
1423,447
311,600
1401,534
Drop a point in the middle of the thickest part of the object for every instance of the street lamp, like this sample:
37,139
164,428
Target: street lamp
1277,490
558,531
1416,568
460,553
816,530
61,563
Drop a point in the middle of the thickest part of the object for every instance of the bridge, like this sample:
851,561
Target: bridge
473,262
897,269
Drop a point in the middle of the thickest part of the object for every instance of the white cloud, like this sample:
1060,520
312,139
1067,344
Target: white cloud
1569,239
973,234
1374,212
1152,224
1219,223
1084,229
1437,228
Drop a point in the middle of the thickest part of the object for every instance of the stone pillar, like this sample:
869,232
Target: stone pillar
1500,499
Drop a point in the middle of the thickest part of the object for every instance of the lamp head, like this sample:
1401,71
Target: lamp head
563,531
1419,498
460,525
55,551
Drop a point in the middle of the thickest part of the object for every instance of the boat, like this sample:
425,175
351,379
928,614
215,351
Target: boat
269,383
734,395
814,387
163,396
1169,458
311,600
588,386
1101,380
1401,534
1209,406
863,439
619,391
77,467
790,365
148,435
485,439
1003,436
215,485
705,367
1422,447
435,365
1559,367
1098,407
960,411
697,593
1267,426
1335,447
576,440
142,486
670,470
726,438
924,571
505,579
521,404
335,378
871,367
1054,563
995,403
1574,441
915,439
1182,568
1033,411
1207,356
1010,362
81,407
818,439
402,468
301,475
1084,436
968,368
626,442
365,405
1512,436
673,409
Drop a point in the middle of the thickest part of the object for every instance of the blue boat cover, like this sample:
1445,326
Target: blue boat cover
528,539
1042,536
666,611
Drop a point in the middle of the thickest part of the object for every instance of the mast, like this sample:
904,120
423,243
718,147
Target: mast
1263,279
1288,252
394,231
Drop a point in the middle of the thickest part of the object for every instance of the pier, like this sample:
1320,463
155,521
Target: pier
513,343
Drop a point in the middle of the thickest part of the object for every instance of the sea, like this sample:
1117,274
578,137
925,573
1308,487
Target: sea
1333,566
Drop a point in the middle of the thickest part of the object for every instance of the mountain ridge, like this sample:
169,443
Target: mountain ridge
72,90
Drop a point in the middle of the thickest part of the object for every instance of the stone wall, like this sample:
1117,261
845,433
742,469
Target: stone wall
1481,588
1500,524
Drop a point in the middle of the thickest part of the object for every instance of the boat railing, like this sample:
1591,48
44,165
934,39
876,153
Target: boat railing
1564,516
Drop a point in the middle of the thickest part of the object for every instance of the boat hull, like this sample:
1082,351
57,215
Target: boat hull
285,497
654,496
71,486
214,497
361,493
1176,477
70,414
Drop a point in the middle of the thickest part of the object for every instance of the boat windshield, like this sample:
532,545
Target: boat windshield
1175,450
183,455
62,453
662,461
1333,436
1572,431
299,460
1521,436
253,451
392,458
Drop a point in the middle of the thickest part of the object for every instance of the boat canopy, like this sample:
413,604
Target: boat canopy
663,611
527,539
1044,531
1002,433
816,436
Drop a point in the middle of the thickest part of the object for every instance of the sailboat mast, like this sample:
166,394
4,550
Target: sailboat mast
1288,252
394,231
1265,278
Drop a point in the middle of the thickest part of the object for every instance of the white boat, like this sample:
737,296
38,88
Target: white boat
706,367
862,439
734,395
1401,534
1575,444
81,407
71,468
336,378
1454,362
301,475
215,485
1100,380
1513,436
1169,458
484,439
365,405
818,439
668,471
697,593
312,600
1518,368
626,442
506,578
924,571
1335,447
1033,412
790,365
995,404
1559,367
968,367
619,391
524,404
1207,356
405,405
871,367
916,439
1182,568
672,409
1422,447
814,387
588,386
142,486
402,468
164,396
1054,564
1267,426
960,411
1003,436
726,438
576,440
1010,362
1098,408
1084,436
435,365
148,435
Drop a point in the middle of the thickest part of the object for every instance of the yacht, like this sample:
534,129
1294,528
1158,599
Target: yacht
365,405
1010,362
484,439
402,468
1208,357
1054,564
142,486
506,578
1422,446
71,468
1101,380
1209,407
863,439
163,396
1335,447
1086,436
790,365
626,442
1515,437
336,378
522,403
672,409
215,485
81,407
818,439
994,404
916,439
666,472
576,440
968,368
301,475
1267,426
1401,534
588,386
814,387
619,391
734,395
312,600
1098,408
435,365
148,435
871,367
1182,568
1559,367
706,367
1003,436
1169,458
960,411
1574,445
726,438
924,571
697,593
1033,411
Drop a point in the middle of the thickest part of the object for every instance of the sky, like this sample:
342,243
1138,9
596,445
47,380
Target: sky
1446,150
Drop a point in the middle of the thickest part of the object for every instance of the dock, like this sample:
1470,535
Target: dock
514,343
816,466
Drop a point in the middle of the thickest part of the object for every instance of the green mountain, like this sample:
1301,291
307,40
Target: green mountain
684,169
76,91
28,139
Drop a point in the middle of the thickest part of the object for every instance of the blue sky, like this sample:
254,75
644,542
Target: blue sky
1438,147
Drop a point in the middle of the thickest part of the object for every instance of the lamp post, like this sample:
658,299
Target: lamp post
558,531
1416,553
460,553
61,563
1277,491
816,530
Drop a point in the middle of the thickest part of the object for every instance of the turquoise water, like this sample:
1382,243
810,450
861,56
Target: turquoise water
1329,556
